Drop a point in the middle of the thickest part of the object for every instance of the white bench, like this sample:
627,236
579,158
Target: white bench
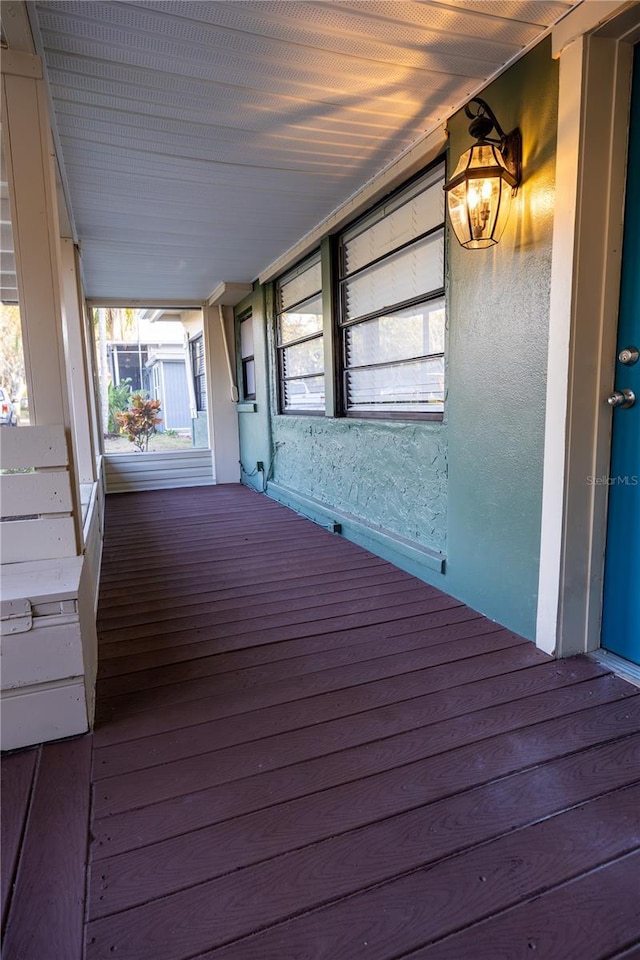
43,683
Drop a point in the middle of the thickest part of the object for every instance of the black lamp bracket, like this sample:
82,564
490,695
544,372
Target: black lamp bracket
483,121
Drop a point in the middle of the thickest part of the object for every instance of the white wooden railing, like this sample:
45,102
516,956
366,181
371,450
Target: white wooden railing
36,507
48,590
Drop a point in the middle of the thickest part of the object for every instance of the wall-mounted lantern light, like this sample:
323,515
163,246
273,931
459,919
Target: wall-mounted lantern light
487,176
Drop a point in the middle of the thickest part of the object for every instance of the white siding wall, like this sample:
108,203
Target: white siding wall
129,472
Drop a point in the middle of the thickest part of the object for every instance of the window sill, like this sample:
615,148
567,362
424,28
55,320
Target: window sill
302,413
247,406
384,415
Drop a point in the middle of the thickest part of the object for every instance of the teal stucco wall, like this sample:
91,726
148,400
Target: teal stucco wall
469,487
391,474
498,334
254,419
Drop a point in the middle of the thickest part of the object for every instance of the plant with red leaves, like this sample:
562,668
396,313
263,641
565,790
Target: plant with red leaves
139,422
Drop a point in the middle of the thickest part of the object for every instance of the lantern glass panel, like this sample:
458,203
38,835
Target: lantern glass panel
479,204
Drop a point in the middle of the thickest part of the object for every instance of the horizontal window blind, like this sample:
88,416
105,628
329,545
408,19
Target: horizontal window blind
299,285
415,271
392,306
300,340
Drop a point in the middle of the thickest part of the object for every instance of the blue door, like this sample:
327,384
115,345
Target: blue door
621,612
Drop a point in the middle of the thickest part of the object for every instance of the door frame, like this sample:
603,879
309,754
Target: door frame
594,101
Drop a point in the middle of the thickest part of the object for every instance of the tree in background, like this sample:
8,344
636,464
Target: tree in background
12,374
119,399
110,323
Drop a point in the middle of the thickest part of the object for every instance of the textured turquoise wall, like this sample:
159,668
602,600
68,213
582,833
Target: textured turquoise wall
471,486
393,475
498,319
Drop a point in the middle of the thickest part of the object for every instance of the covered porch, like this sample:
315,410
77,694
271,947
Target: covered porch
303,751
335,683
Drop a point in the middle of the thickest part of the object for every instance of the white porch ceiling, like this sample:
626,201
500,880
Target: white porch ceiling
201,140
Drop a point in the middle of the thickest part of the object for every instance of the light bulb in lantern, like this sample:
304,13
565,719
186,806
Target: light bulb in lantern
479,192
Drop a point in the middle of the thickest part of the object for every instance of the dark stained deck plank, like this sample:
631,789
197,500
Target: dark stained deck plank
352,669
259,724
244,558
184,584
386,921
248,556
231,619
294,657
633,953
302,748
17,772
162,781
438,829
285,625
258,524
254,518
196,576
386,629
297,554
375,779
47,911
201,589
247,596
239,611
186,570
351,676
587,919
489,882
223,535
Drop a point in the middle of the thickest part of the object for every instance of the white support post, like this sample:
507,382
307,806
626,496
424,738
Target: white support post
223,416
562,270
30,166
78,381
35,237
92,374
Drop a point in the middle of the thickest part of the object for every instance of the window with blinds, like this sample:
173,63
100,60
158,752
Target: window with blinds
392,307
196,347
299,339
247,357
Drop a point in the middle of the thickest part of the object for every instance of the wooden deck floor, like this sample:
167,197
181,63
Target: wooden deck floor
303,752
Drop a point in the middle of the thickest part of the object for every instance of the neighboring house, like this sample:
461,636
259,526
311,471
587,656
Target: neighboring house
166,373
156,362
127,361
446,407
183,388
161,371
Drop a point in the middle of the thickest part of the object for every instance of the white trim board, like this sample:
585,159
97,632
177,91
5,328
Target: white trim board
41,580
46,712
595,75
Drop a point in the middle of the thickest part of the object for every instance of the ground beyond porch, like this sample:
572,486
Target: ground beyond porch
303,752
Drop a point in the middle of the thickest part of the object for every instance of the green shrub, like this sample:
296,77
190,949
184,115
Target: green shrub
119,399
